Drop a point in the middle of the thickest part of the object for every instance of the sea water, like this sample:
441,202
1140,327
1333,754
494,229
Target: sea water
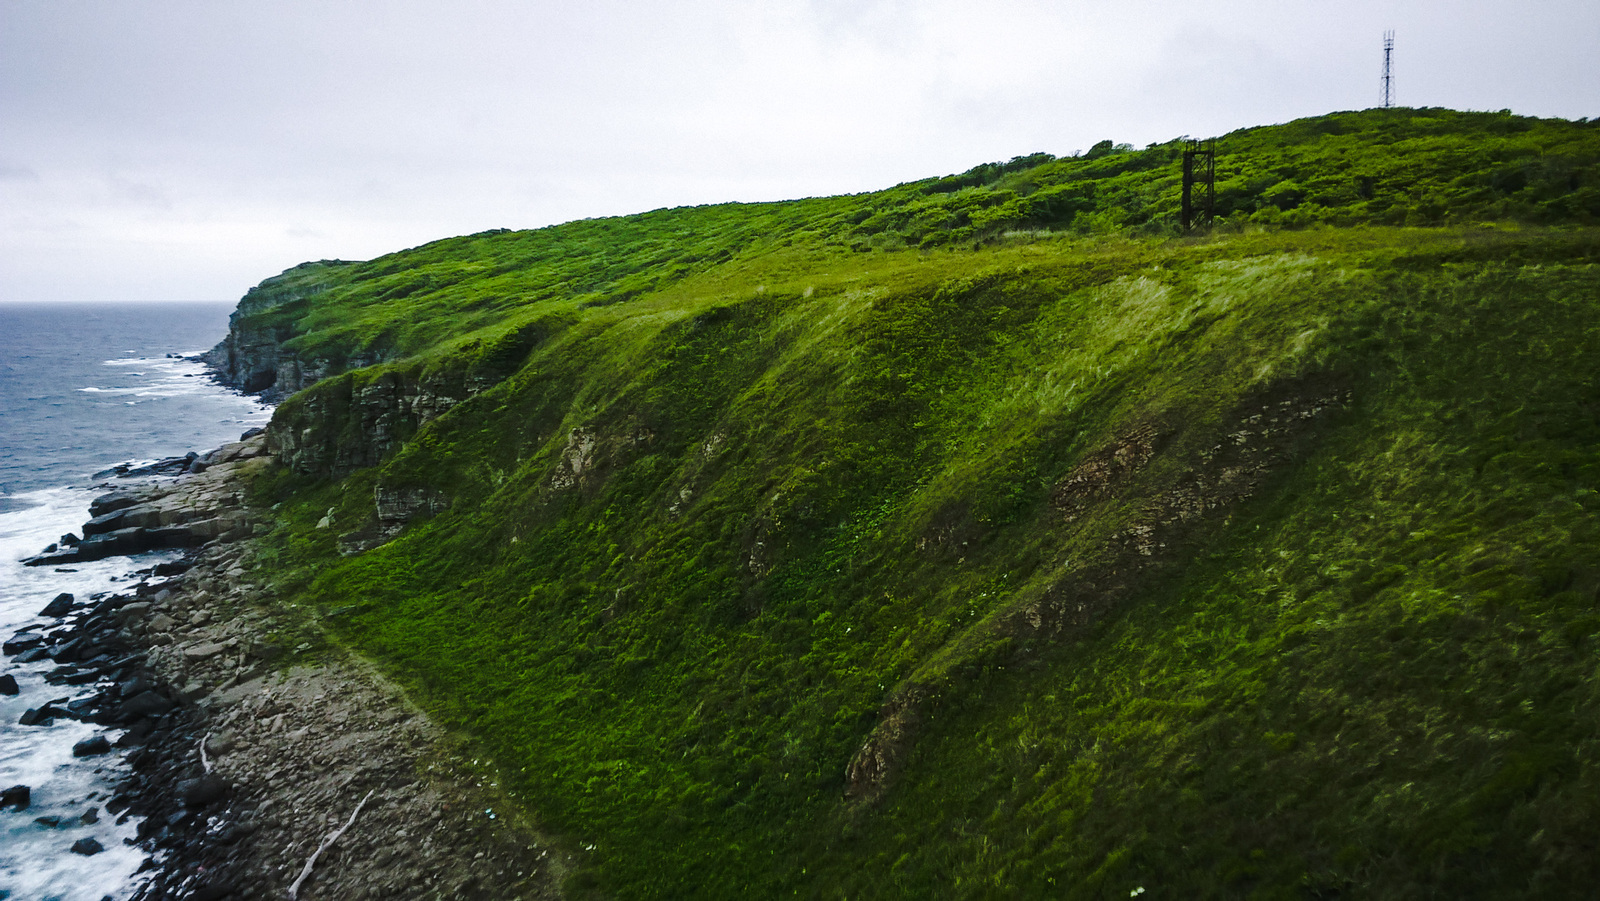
83,388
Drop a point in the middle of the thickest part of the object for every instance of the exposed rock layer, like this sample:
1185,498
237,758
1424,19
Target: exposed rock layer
157,515
255,357
349,423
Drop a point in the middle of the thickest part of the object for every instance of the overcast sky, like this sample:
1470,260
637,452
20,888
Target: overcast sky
168,150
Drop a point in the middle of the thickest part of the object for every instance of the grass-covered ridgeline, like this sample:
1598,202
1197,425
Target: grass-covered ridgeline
838,549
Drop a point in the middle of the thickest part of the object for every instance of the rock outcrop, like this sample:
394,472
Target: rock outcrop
355,420
201,506
255,357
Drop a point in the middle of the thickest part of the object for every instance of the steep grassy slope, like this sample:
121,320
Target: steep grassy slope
766,556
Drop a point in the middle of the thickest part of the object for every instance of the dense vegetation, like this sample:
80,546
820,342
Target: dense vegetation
984,537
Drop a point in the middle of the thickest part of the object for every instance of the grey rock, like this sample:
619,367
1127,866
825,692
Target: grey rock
61,606
17,796
141,705
133,611
204,650
8,685
88,847
67,651
113,544
116,500
22,641
202,791
100,525
49,559
221,743
91,747
36,716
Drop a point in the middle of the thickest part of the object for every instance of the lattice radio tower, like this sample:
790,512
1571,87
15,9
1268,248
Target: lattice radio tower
1199,184
1388,69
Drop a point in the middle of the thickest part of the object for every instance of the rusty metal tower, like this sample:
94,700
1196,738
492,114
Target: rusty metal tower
1388,69
1199,170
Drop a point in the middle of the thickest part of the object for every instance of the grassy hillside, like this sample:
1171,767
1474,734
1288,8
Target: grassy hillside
983,537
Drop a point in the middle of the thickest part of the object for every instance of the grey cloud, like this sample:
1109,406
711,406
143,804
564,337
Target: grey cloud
228,126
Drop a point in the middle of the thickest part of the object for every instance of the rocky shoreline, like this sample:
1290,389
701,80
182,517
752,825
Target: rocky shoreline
246,754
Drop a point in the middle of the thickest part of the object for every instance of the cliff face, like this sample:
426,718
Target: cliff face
351,422
255,357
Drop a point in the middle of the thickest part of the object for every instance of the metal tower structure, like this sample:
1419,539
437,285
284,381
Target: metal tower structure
1199,170
1388,69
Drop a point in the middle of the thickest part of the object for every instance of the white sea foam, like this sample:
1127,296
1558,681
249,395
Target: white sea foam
35,860
69,415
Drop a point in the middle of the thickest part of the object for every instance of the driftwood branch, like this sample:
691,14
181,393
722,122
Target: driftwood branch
205,763
294,890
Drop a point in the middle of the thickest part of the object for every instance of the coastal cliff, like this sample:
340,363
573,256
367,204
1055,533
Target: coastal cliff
987,536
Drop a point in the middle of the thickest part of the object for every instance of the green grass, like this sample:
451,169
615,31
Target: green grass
819,477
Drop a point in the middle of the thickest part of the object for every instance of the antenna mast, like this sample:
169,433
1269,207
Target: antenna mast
1199,171
1388,69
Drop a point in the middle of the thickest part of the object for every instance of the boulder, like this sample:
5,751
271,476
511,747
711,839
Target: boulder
59,607
204,649
68,651
169,466
175,568
59,674
221,743
112,544
8,685
141,705
18,796
20,642
116,500
202,791
100,525
135,610
77,677
88,847
47,558
137,685
36,716
82,708
91,747
69,540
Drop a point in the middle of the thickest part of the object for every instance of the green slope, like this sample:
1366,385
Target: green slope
979,537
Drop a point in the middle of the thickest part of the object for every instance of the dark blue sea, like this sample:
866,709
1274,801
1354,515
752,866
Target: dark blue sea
83,388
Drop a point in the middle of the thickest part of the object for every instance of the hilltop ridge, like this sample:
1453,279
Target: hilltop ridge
985,536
